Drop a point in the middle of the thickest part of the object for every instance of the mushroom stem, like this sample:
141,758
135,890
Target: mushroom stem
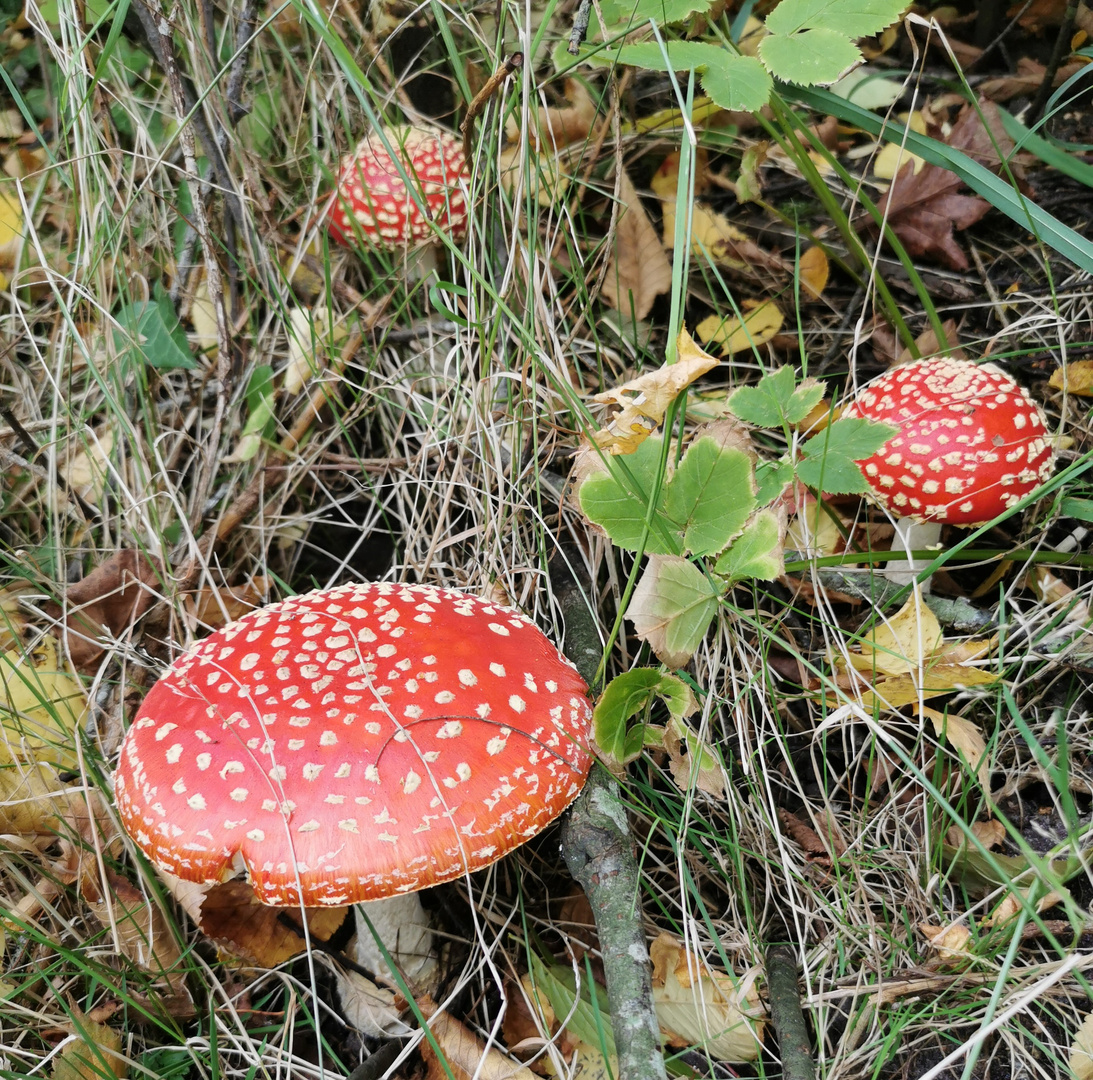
911,536
400,928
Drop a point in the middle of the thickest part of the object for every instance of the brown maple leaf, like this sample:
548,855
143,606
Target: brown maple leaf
926,207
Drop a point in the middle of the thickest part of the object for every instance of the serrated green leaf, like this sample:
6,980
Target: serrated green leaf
710,496
811,57
664,12
777,400
830,460
756,554
851,18
739,83
627,695
672,608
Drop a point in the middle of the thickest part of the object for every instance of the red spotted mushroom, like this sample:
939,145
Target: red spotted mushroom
373,199
354,744
971,444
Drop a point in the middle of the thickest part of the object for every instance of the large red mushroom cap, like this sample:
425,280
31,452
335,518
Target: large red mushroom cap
353,744
373,199
971,443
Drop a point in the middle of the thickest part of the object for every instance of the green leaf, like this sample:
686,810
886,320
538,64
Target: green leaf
152,331
1079,509
710,496
772,478
260,415
739,83
672,608
776,401
617,502
814,56
629,694
851,18
662,12
756,554
258,126
829,460
559,986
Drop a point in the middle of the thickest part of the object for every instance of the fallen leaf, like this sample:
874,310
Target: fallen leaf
672,607
549,178
1080,1061
94,1053
1074,377
466,1055
964,737
702,1007
1028,79
107,602
813,270
639,270
805,837
11,228
1013,902
900,643
692,762
87,470
892,156
558,126
951,942
306,355
925,207
714,237
203,318
644,401
217,607
762,321
929,344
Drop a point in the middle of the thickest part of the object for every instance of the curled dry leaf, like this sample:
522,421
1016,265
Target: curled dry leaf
1074,377
644,401
87,470
700,1006
466,1055
231,916
762,321
107,602
217,607
639,270
813,270
693,762
950,942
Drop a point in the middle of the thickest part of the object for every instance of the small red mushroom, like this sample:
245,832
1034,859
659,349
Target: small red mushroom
971,443
353,744
374,201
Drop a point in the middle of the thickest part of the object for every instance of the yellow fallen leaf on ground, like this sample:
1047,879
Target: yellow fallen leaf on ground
902,642
762,320
813,270
951,942
639,270
644,401
87,470
1080,1061
1075,377
203,317
11,225
892,156
95,1053
714,236
964,737
560,125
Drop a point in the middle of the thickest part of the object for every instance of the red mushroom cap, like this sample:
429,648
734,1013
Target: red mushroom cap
971,443
373,194
355,743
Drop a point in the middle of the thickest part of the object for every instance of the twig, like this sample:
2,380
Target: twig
787,1016
580,27
1062,47
598,850
511,64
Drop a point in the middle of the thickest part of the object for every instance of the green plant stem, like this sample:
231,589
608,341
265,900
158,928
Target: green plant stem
786,1014
599,852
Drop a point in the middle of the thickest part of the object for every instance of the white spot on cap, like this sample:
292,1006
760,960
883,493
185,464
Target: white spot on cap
249,661
468,677
498,670
517,703
499,628
196,801
174,753
452,729
410,782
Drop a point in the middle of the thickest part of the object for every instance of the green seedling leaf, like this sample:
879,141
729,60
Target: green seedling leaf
829,461
152,331
258,126
756,554
738,83
559,987
777,401
851,18
710,496
810,57
626,696
772,477
260,418
628,13
672,608
1079,509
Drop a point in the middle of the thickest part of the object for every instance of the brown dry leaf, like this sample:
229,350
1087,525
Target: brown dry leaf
1012,903
1028,79
466,1056
692,762
928,344
551,176
699,1006
989,833
558,126
1080,1061
231,916
644,401
926,207
806,838
964,737
762,321
639,270
951,942
813,270
108,601
214,608
1075,377
95,1053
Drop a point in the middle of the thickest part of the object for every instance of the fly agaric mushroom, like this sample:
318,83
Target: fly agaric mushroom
354,744
971,444
374,201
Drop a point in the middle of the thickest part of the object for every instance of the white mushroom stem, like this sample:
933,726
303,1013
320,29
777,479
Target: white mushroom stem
403,927
912,535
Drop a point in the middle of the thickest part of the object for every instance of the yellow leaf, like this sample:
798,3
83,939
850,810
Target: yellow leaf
1075,377
306,356
644,401
11,227
87,470
893,692
813,269
964,737
951,942
754,32
95,1054
548,180
902,642
1081,1051
762,320
203,316
41,705
892,156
